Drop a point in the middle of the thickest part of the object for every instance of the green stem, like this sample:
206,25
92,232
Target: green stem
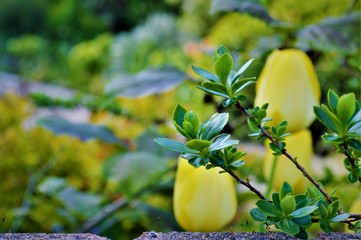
272,177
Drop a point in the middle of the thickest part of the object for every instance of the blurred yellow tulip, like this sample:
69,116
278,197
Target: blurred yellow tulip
204,200
288,82
300,145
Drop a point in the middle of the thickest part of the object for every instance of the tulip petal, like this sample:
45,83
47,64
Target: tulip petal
204,200
288,82
300,145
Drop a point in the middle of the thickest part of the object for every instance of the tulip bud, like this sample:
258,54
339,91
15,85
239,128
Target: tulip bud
204,200
300,145
288,82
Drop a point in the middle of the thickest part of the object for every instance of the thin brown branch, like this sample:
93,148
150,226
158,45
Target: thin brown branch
245,183
285,153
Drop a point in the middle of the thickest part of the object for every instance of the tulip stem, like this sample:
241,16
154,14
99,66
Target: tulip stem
245,183
285,153
272,176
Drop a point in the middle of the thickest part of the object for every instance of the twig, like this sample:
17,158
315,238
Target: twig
245,183
285,153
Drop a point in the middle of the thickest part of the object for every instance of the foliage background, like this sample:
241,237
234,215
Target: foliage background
58,183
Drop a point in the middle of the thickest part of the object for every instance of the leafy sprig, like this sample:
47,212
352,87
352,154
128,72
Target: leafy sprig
225,83
342,117
288,212
207,146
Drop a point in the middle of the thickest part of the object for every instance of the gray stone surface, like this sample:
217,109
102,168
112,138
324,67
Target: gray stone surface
53,236
239,236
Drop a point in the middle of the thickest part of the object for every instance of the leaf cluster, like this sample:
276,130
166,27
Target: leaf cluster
342,117
225,83
288,212
205,145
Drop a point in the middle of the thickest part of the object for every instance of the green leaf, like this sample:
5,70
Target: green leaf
355,130
198,144
276,200
352,178
198,161
179,114
323,211
215,88
236,156
252,124
332,100
175,146
258,215
242,69
229,102
303,222
327,118
221,142
355,144
220,51
354,125
303,211
301,201
237,163
145,83
346,108
205,74
178,120
268,208
213,126
212,92
288,226
83,131
332,209
332,138
325,226
223,67
188,128
240,85
286,189
340,217
288,204
192,118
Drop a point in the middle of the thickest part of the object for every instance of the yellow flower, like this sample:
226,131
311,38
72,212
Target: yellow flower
299,144
204,200
288,82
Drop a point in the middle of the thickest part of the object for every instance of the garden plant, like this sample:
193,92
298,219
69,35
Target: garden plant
207,147
89,154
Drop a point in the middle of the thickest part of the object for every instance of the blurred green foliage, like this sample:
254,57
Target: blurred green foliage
83,44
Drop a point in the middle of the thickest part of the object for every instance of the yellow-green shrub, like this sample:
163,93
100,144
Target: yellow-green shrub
25,152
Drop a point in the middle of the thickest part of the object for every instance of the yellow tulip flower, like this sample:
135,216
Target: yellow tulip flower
299,144
288,82
204,200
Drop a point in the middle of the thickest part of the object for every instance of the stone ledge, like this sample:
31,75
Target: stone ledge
240,236
44,236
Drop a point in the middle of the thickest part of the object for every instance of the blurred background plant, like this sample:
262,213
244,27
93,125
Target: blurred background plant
119,56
